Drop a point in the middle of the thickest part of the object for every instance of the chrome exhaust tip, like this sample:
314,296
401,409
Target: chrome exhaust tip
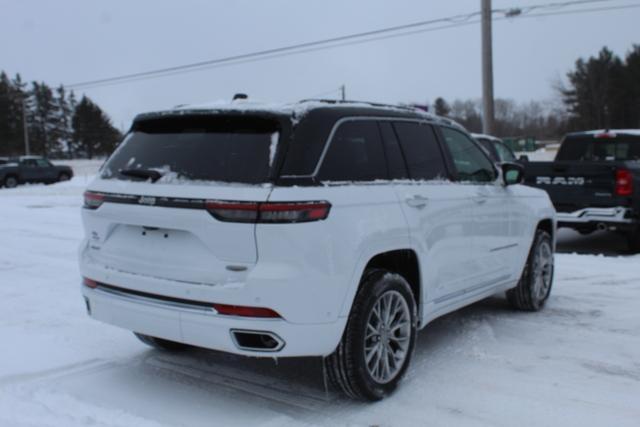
262,341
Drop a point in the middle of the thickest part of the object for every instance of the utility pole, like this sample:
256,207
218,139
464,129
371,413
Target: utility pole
343,92
25,128
488,111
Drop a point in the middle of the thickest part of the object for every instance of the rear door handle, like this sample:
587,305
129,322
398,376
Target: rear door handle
416,201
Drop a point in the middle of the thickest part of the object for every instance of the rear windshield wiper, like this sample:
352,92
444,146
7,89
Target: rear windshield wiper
145,174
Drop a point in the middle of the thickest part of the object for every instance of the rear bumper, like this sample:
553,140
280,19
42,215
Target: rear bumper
205,328
594,216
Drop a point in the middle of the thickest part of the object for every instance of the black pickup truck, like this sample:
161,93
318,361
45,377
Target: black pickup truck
19,170
594,182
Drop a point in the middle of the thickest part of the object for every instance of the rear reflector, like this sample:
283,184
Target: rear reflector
238,310
624,182
93,200
89,283
268,212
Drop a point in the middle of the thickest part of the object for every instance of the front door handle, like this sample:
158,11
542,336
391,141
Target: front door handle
416,201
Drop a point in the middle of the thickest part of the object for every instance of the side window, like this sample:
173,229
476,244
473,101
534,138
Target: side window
30,163
504,153
469,160
491,149
43,163
355,154
395,159
421,150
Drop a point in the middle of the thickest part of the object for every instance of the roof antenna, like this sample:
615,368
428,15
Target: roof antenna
239,96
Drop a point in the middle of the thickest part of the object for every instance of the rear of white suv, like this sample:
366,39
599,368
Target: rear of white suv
317,230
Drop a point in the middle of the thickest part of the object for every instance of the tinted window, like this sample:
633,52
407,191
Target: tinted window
395,159
229,149
421,150
355,154
471,163
504,153
30,163
43,163
589,148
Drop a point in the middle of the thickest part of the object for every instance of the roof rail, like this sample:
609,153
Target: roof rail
373,104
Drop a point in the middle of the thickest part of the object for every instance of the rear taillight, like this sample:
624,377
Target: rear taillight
93,200
242,311
624,182
605,135
268,212
89,283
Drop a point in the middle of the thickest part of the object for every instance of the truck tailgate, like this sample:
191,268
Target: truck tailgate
576,185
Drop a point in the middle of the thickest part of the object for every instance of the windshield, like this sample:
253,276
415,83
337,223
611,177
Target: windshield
620,148
227,149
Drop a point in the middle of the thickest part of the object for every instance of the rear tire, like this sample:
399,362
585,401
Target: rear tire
379,338
633,240
535,284
11,181
161,344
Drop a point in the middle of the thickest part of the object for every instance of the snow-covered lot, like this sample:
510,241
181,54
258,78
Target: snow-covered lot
576,363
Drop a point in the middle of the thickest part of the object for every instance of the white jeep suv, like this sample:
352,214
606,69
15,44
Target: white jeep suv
320,228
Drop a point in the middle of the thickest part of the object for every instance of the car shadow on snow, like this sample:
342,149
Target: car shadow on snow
599,242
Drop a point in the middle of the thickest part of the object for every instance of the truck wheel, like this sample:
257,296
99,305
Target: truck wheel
63,177
160,343
379,338
537,278
633,240
11,181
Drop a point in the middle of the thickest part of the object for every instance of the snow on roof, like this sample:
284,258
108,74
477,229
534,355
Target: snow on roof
297,109
485,136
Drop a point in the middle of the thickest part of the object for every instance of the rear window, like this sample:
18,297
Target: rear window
227,149
589,148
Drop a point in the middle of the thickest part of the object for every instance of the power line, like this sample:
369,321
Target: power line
351,39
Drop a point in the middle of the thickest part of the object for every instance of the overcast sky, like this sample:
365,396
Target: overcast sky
69,41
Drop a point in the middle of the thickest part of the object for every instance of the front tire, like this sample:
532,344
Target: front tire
379,338
161,344
63,177
535,284
11,182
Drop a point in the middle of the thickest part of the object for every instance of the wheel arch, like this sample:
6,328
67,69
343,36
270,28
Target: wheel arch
401,261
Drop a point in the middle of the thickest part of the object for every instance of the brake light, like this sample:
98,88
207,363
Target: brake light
624,182
268,212
242,311
93,200
89,283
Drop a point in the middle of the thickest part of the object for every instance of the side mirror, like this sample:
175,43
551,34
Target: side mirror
512,173
523,159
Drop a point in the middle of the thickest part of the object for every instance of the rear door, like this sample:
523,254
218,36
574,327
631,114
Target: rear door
438,211
187,225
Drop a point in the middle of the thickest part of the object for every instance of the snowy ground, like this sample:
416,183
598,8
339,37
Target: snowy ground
576,363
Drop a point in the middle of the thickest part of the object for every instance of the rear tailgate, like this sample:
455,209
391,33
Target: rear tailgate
576,185
160,198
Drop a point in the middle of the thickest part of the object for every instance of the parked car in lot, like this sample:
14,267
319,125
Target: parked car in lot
312,229
497,149
32,169
594,182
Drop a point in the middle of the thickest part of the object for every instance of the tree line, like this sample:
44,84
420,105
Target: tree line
602,92
57,124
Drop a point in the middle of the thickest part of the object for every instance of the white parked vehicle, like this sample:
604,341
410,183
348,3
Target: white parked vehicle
313,229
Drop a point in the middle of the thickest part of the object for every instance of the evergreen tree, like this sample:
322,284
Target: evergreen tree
93,133
62,131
